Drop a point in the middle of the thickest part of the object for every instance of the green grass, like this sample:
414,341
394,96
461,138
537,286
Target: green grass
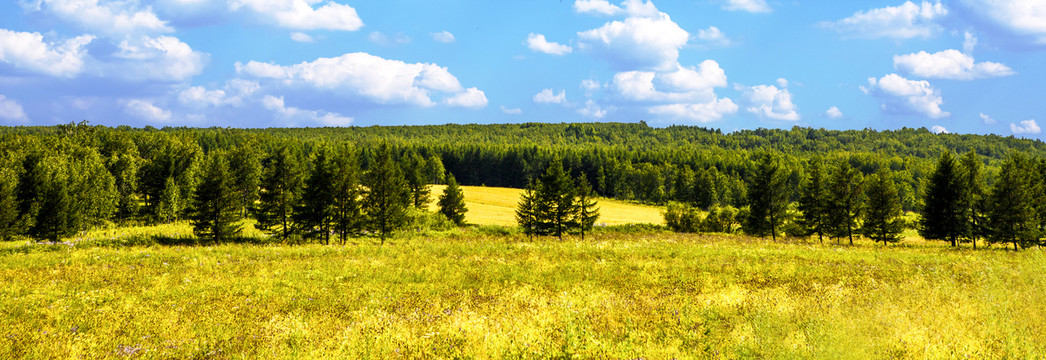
497,206
616,296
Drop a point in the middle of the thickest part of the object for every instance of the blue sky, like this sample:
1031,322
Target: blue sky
962,66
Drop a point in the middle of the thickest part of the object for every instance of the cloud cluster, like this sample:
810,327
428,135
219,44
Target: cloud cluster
301,15
1026,127
753,6
902,95
11,110
767,101
905,21
547,96
948,64
537,43
1021,20
30,52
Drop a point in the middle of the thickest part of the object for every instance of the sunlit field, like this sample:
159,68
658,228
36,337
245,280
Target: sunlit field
497,206
654,295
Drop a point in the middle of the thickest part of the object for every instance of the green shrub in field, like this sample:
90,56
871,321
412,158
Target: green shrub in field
682,217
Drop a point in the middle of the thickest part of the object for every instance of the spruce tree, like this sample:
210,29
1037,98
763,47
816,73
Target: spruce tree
348,207
767,198
452,202
942,217
588,212
526,210
314,214
1011,216
281,186
555,206
973,200
245,163
388,195
414,172
215,207
53,218
846,200
882,214
814,200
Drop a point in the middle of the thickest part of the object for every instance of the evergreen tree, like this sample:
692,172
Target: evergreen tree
452,202
814,200
245,162
314,214
846,200
348,207
8,204
704,192
683,187
588,212
882,215
555,205
973,199
168,202
414,171
942,217
388,195
281,186
434,170
52,218
1011,216
215,207
526,210
124,164
767,198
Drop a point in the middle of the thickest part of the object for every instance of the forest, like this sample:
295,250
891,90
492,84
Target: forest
315,183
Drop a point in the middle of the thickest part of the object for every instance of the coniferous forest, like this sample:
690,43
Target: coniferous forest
319,184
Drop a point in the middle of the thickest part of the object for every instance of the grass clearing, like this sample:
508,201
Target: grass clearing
615,296
497,206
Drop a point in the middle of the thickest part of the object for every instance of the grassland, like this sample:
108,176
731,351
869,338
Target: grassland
497,206
654,295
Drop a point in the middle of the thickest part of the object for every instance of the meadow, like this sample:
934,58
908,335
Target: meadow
653,295
497,206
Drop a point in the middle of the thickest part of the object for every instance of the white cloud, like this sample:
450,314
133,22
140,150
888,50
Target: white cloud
145,110
901,22
470,98
11,110
987,119
682,85
163,58
537,43
590,85
29,51
937,129
302,37
713,36
386,40
113,18
547,96
198,96
770,102
782,82
948,64
443,36
592,110
700,112
833,113
300,15
902,95
649,42
293,116
599,7
969,42
754,6
515,111
366,76
1026,127
1022,20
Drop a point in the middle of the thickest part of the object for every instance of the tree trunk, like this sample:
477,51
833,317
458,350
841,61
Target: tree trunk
850,233
773,226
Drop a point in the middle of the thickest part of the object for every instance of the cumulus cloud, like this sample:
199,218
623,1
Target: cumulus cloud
379,38
28,51
598,7
514,111
1020,20
700,112
770,102
547,96
11,110
300,14
1026,127
293,116
987,119
198,96
163,58
443,36
471,98
948,64
145,110
713,36
754,6
682,85
369,77
833,113
905,21
113,18
902,95
937,129
592,110
302,37
638,42
590,85
537,43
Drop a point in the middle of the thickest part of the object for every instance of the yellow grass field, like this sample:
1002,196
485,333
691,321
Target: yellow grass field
497,206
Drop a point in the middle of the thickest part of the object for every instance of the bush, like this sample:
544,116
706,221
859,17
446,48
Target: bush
720,220
682,217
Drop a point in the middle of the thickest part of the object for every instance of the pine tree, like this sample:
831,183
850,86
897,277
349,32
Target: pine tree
814,200
767,198
882,215
683,187
942,217
245,163
53,215
414,172
973,199
846,200
281,186
1011,216
588,212
388,195
348,206
526,210
215,207
452,202
555,205
314,214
